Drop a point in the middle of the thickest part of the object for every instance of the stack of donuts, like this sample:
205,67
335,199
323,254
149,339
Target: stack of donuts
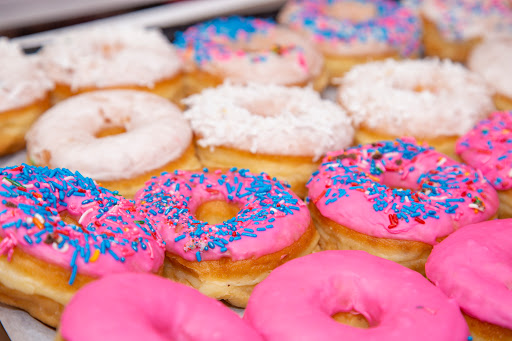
315,170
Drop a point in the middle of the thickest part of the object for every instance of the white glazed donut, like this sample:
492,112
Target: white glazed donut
429,99
153,137
24,95
113,57
492,59
280,130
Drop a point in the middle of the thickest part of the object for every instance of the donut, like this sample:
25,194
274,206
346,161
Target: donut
321,296
434,101
247,50
118,137
492,59
225,231
353,32
112,309
452,28
395,199
487,148
282,131
113,57
472,266
24,95
59,231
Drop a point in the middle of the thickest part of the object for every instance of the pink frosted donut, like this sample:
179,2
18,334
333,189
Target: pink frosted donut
58,231
473,266
297,301
145,307
267,226
396,199
488,148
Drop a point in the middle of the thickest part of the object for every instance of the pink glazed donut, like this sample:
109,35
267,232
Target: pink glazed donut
474,267
488,147
395,199
225,231
299,299
146,307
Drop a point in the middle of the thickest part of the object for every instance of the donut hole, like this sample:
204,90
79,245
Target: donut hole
351,318
352,11
110,131
216,211
68,218
266,108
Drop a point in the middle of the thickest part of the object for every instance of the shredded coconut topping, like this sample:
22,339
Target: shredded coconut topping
22,82
422,98
268,119
492,59
110,56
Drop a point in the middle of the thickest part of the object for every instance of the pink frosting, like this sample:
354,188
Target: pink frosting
296,301
474,267
400,190
271,217
488,147
110,236
145,307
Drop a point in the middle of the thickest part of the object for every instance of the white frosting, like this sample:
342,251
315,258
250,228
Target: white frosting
268,119
492,59
422,98
300,63
22,82
110,56
458,19
156,133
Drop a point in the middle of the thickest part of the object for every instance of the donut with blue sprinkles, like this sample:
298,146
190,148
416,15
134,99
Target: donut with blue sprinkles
396,199
225,260
61,230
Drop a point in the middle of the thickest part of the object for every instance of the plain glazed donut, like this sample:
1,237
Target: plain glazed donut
282,131
225,255
113,57
488,147
152,136
473,266
492,59
431,100
24,95
248,50
351,32
133,307
452,28
395,199
301,299
59,231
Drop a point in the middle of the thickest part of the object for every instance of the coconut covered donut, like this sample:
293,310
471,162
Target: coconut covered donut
473,267
350,32
431,100
487,147
112,309
226,231
248,50
113,57
492,59
373,298
452,28
59,231
395,199
118,137
282,131
24,95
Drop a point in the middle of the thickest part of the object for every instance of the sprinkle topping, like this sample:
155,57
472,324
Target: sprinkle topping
410,189
32,200
391,24
488,147
270,215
